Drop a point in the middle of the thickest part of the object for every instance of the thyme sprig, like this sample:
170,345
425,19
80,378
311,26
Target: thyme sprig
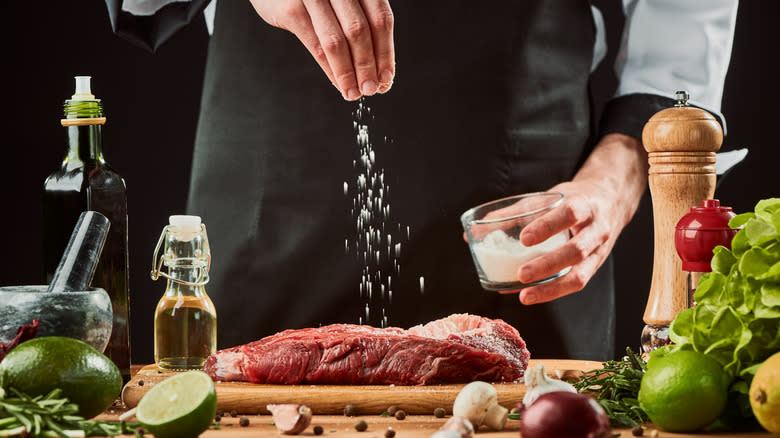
51,415
616,385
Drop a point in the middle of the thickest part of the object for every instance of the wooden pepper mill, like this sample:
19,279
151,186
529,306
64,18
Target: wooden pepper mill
681,143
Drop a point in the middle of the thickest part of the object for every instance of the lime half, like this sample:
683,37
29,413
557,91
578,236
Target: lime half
181,406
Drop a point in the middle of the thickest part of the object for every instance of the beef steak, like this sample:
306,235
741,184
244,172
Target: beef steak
459,348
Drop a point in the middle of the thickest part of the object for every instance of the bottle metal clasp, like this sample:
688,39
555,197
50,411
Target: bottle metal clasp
157,262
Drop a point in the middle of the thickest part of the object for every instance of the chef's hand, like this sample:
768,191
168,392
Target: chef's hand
351,40
599,202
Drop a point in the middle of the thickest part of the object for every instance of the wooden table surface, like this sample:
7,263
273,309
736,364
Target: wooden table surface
414,426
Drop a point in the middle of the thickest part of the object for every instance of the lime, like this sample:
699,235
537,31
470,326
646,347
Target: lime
683,391
86,377
180,406
765,394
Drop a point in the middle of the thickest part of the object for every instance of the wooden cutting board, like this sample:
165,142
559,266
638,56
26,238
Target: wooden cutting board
368,399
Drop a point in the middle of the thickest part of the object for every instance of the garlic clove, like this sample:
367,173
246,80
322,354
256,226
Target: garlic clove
290,419
458,427
538,383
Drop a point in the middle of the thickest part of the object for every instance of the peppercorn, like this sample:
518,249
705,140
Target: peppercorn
140,383
217,418
318,430
400,414
439,412
389,433
243,422
391,410
350,410
637,431
221,413
233,413
361,426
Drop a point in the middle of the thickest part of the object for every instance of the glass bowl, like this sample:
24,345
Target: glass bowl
493,230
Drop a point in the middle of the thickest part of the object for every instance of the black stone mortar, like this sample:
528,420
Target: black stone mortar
84,315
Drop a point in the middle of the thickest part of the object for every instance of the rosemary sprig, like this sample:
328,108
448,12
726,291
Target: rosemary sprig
616,385
51,415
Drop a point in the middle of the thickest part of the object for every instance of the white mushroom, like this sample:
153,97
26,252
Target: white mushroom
478,402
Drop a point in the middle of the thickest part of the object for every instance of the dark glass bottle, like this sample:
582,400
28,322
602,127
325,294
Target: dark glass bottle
86,182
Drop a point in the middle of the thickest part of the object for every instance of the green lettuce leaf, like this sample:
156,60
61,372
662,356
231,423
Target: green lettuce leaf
737,317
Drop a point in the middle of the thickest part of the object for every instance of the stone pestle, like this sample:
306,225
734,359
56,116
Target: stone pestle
77,265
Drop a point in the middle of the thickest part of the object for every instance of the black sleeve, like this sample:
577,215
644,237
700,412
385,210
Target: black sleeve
628,114
150,32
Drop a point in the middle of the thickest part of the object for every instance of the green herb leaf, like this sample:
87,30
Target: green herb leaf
617,387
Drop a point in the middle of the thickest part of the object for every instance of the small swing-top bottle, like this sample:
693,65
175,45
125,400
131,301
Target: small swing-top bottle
185,321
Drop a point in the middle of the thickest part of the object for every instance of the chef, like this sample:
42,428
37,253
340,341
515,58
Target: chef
473,101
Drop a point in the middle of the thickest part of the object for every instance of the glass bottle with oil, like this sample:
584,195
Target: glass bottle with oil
85,181
185,321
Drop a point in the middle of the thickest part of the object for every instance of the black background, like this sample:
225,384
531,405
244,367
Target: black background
152,101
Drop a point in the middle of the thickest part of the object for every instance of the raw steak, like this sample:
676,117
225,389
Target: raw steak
459,348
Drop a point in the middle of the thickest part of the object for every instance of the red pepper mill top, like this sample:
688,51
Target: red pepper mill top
700,231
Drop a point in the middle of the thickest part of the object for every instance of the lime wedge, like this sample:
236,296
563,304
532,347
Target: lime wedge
181,406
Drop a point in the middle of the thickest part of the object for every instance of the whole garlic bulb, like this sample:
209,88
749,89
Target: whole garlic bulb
538,383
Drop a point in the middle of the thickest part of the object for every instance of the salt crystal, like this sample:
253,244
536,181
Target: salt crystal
500,256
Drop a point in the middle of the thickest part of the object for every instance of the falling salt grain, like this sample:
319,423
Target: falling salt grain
422,285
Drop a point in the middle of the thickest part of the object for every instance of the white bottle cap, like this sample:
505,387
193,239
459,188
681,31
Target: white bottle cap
184,222
184,227
83,89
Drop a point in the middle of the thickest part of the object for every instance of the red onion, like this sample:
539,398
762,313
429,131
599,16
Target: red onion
562,414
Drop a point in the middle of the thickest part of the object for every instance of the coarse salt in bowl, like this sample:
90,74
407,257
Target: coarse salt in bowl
493,230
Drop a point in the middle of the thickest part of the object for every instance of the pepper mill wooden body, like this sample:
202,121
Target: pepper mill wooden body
681,143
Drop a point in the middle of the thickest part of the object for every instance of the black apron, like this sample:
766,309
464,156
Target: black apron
490,99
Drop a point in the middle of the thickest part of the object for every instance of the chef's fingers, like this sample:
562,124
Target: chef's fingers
361,44
335,45
575,212
570,283
380,18
526,211
294,17
573,252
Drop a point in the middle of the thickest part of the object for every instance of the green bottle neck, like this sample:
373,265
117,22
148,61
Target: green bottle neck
84,141
85,144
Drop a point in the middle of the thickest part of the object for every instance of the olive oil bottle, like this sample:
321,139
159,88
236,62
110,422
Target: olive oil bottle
185,321
85,181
